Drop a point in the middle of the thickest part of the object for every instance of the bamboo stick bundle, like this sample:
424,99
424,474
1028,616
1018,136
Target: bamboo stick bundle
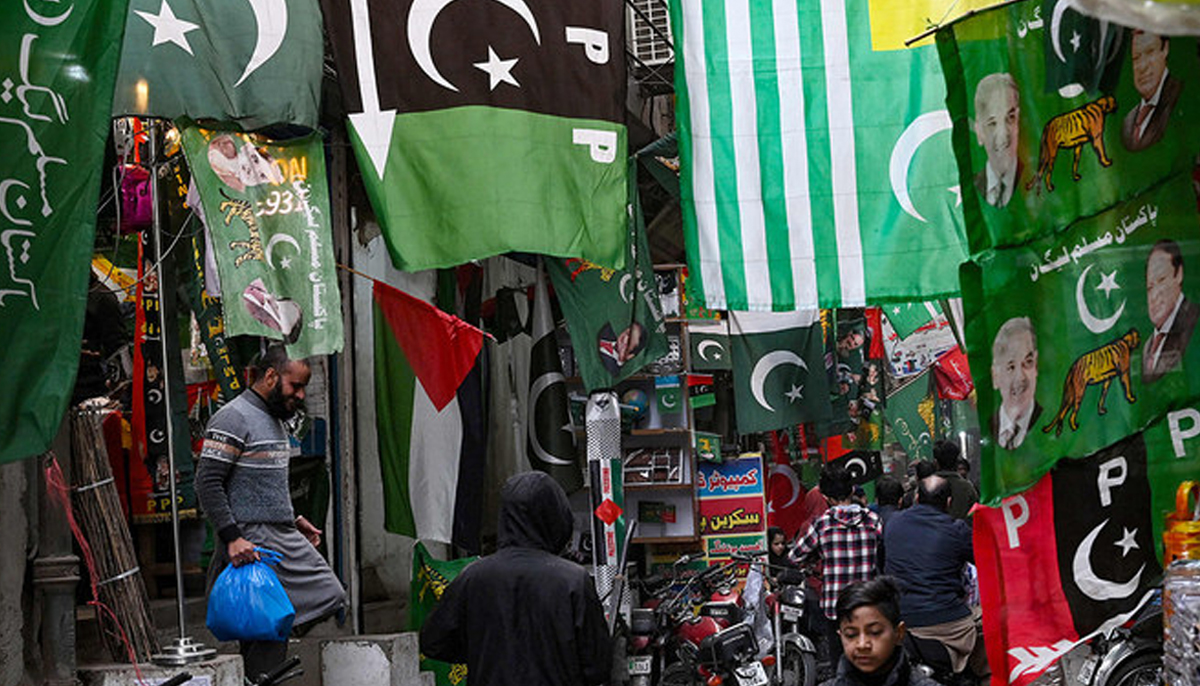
124,611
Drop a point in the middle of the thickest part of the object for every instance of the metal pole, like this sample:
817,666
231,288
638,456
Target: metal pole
184,650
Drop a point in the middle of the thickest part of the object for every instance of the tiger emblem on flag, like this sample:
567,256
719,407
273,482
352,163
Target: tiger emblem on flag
1099,366
1071,130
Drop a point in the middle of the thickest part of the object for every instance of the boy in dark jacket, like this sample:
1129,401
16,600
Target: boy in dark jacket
872,635
524,616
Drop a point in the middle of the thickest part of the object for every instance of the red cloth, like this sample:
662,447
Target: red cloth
953,375
785,493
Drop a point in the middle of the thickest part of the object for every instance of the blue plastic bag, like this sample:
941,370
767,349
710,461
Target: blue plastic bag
248,603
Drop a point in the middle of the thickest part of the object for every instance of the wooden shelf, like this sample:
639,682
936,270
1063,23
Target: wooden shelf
671,430
667,539
654,486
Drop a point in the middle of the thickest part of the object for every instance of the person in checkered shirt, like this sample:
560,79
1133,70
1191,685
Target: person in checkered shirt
846,541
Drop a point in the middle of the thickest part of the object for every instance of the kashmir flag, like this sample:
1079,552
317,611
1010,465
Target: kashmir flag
60,67
252,64
430,577
267,205
709,342
1076,555
906,318
816,154
1084,337
486,128
778,369
430,419
912,414
614,316
1035,156
551,431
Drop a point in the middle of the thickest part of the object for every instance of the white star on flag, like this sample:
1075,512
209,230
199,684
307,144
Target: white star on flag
795,394
168,28
1108,282
499,71
1127,543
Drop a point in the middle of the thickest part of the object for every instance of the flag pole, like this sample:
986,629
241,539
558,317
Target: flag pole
970,13
183,650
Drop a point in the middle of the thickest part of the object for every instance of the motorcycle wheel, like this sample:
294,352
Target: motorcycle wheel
676,675
799,667
1143,670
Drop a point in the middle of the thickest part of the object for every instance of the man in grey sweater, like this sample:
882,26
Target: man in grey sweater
242,484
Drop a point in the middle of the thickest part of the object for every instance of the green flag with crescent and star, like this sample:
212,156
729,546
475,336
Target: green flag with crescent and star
251,64
551,431
1083,338
487,127
59,64
614,316
1054,122
267,206
778,369
709,342
906,318
816,154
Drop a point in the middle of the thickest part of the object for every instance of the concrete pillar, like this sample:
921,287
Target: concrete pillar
14,540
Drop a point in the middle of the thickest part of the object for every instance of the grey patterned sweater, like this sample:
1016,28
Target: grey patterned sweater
243,473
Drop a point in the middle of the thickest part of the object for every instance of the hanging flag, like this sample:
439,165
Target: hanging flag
430,577
1036,154
1075,555
953,376
551,444
613,315
907,318
1083,338
709,341
701,392
267,206
912,416
863,466
778,370
669,392
59,68
252,64
785,492
429,412
874,317
498,128
814,144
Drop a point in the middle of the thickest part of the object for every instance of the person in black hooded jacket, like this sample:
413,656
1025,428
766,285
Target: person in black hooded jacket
523,615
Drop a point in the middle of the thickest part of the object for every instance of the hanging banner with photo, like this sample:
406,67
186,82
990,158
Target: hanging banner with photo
1083,338
267,205
60,65
1058,116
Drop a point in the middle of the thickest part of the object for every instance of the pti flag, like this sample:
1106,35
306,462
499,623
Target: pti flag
430,577
1069,558
1034,156
484,128
267,206
429,418
613,315
252,64
814,144
1084,337
56,96
906,318
550,429
709,340
778,369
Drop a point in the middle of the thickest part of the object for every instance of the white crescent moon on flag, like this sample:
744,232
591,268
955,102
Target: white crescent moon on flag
920,130
704,346
278,238
421,16
793,481
1093,323
47,21
856,467
625,281
1093,586
763,368
535,392
272,19
1055,24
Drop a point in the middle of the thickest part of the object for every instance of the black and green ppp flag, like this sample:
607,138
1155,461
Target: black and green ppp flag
267,206
484,128
60,62
614,315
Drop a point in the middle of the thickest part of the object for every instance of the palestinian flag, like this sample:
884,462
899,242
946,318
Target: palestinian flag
484,128
429,413
1071,557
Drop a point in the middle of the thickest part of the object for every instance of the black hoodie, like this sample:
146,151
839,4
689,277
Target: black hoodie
524,616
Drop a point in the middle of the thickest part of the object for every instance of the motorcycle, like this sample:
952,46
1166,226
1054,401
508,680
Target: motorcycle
1131,655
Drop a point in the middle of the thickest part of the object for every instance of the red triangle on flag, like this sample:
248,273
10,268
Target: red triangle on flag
440,347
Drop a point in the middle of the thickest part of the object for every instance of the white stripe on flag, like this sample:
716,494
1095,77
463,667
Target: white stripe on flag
434,448
841,146
704,195
795,153
741,323
745,135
